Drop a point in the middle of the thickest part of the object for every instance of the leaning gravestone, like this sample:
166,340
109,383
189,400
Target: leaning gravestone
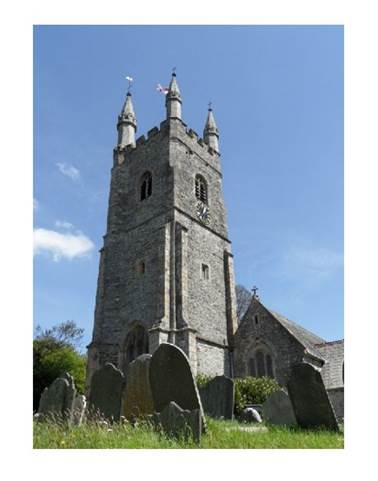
106,389
57,399
217,397
309,398
137,400
178,422
277,409
171,379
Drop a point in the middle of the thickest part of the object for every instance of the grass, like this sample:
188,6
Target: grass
220,435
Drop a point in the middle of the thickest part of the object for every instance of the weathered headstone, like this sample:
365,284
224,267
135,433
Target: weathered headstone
137,396
106,389
57,399
250,415
180,423
78,410
217,397
277,409
309,398
70,395
171,379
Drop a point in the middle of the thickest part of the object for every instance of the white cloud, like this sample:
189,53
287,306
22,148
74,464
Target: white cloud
35,204
63,224
61,245
314,263
69,170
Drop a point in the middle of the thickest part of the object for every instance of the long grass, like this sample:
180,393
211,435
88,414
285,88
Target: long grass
220,435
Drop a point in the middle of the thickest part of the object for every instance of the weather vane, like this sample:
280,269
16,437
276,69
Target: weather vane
130,81
210,105
174,71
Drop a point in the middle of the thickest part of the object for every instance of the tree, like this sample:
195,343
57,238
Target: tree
65,332
243,299
55,352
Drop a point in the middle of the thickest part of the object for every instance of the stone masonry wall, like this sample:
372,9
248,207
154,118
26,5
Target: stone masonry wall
164,232
285,350
212,360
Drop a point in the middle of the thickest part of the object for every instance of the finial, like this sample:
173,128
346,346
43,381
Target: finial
174,72
210,105
130,81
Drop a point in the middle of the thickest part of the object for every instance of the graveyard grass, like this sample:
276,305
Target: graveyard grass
220,435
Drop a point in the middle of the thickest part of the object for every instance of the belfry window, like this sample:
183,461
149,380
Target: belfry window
201,188
146,186
205,272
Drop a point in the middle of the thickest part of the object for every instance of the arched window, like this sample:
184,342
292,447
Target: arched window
145,186
136,344
201,188
269,365
261,363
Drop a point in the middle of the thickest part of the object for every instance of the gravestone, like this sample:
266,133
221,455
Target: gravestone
57,399
137,400
171,379
106,390
70,395
277,409
217,397
180,423
309,398
78,410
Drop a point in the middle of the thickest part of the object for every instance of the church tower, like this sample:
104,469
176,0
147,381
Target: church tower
166,269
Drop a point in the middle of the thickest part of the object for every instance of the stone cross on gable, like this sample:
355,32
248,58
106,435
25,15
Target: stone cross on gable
254,291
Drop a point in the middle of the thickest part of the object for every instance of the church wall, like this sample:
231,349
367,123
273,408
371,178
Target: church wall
206,300
285,349
136,232
212,360
187,163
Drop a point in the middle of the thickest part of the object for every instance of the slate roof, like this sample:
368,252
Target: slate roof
333,353
306,338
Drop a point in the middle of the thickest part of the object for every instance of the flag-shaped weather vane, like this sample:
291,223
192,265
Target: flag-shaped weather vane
130,81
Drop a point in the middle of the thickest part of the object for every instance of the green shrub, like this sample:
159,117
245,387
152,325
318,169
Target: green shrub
50,360
203,379
253,390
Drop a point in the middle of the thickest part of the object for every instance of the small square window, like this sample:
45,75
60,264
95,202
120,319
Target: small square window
141,268
205,272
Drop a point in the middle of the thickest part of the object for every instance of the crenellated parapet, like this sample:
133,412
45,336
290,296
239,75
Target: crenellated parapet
127,126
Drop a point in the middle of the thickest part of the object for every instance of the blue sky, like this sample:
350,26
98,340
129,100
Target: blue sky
277,94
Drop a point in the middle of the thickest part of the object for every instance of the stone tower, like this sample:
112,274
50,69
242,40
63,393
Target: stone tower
166,269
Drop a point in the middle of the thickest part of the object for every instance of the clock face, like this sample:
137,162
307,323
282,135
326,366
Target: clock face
203,213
